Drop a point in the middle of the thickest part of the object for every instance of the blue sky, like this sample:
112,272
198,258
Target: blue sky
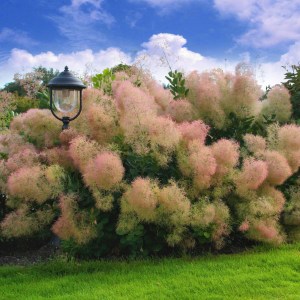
90,35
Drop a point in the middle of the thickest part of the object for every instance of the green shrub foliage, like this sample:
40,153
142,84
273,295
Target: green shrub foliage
145,172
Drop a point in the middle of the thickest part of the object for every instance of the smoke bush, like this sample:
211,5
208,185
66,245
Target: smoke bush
58,156
163,98
277,104
253,174
242,96
164,138
180,110
103,123
173,212
278,167
288,144
67,135
103,201
195,130
278,199
140,173
141,198
12,143
23,222
226,155
289,137
39,126
202,214
73,223
132,101
203,165
82,151
4,173
174,204
36,183
221,226
25,158
265,231
104,171
205,94
254,143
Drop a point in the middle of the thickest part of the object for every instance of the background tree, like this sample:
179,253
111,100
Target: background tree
292,83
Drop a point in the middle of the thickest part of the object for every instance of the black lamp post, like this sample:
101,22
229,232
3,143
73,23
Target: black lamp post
65,95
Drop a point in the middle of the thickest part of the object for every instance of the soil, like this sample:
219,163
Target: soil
16,254
29,257
37,254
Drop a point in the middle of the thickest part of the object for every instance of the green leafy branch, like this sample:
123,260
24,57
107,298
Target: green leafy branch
177,85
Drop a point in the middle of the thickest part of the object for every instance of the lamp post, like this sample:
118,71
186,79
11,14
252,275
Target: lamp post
66,96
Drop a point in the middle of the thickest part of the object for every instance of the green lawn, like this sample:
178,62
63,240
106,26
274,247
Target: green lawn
258,274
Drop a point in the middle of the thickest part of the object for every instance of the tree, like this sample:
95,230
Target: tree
292,83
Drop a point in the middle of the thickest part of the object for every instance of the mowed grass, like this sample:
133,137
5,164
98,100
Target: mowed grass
258,274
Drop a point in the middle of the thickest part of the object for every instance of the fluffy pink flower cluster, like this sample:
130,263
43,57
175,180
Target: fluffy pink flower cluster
82,151
143,128
22,222
277,104
206,165
163,98
203,165
226,154
288,144
104,171
132,102
58,156
102,122
205,95
73,223
12,143
266,232
214,95
39,126
167,206
196,130
211,217
253,174
141,197
255,143
36,183
180,110
24,158
278,168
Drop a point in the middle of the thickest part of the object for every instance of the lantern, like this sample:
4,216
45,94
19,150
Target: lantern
66,97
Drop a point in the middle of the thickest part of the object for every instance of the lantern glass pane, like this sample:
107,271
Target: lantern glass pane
66,100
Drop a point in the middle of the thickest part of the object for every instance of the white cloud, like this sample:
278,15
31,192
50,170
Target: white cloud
292,56
133,18
18,37
165,6
162,51
161,3
77,22
93,12
21,61
271,22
